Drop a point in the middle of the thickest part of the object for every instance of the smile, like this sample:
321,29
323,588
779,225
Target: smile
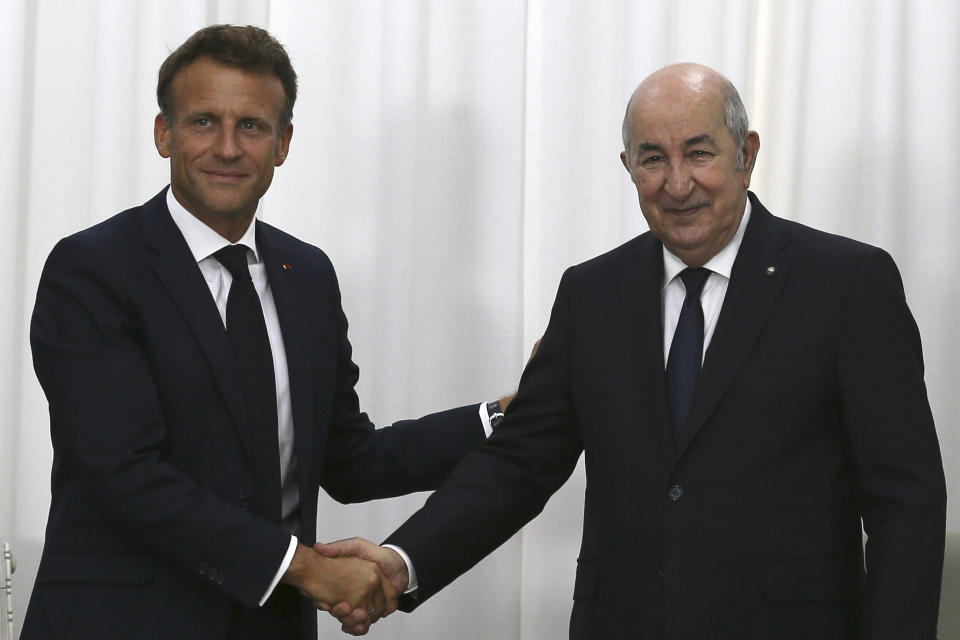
688,210
225,176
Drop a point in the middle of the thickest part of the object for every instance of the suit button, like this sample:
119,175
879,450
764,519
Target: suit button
662,575
245,503
675,492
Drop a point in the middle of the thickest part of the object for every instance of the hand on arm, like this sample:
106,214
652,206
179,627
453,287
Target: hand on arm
356,620
348,580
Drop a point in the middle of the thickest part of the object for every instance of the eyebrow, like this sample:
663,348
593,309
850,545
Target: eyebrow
209,115
700,139
689,142
648,146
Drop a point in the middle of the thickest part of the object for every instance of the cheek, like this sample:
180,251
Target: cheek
718,180
647,185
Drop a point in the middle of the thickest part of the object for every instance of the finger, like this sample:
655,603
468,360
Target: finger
342,610
355,618
356,630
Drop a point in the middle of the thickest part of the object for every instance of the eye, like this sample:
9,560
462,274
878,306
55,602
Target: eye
249,125
202,122
701,154
649,160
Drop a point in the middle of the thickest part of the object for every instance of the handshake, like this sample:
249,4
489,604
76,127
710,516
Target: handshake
354,580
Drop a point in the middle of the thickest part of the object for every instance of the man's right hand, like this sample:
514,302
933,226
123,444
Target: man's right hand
356,620
327,581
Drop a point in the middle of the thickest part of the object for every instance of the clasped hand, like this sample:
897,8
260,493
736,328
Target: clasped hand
352,588
356,619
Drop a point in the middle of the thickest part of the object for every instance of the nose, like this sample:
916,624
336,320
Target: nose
226,147
679,182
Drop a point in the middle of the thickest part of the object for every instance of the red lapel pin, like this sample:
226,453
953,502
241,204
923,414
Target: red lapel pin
286,267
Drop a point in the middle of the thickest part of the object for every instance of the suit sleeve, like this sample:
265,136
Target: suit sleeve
109,432
364,463
894,442
507,481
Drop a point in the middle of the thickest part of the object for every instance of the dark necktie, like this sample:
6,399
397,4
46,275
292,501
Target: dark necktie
247,333
686,350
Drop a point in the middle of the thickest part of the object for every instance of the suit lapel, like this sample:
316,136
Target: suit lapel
284,272
177,269
750,296
639,290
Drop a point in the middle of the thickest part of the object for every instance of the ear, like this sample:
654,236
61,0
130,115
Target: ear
161,135
283,145
751,146
625,161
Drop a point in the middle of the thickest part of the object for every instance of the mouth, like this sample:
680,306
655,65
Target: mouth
225,177
687,210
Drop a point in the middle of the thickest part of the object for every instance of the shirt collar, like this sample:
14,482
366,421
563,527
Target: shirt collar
722,263
201,239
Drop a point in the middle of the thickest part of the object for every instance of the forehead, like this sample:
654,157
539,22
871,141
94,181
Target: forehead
209,86
672,114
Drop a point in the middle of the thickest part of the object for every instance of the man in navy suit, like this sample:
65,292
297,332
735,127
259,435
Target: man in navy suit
747,392
184,490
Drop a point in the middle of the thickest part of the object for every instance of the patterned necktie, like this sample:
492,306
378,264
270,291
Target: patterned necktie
247,332
686,350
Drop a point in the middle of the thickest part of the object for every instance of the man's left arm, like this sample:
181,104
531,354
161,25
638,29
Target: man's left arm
363,463
894,444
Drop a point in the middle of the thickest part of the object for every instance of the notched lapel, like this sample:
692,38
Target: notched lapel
751,295
285,282
171,260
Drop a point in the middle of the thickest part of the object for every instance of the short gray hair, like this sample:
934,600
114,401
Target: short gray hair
734,117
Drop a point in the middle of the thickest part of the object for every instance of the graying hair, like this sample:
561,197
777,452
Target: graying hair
734,117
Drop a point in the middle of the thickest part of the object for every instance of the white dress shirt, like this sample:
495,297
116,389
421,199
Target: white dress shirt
714,290
203,243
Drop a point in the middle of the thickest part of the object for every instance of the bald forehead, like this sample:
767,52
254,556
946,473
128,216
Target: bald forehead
679,82
673,88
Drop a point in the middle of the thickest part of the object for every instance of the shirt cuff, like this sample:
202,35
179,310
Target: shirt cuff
287,559
485,421
411,574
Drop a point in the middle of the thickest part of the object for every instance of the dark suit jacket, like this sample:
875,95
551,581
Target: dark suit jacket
810,413
150,533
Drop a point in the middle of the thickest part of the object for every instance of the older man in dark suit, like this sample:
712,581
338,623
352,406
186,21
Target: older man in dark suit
747,392
201,389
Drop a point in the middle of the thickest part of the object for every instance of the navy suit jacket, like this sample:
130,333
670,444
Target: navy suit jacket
151,532
810,413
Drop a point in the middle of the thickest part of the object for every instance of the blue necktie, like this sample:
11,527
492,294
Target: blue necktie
686,350
247,333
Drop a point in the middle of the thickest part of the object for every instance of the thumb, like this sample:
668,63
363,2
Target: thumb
347,547
330,550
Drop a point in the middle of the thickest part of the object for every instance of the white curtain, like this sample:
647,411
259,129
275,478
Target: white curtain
453,157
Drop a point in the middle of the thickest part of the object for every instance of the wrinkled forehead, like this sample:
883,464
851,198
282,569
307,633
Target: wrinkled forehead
206,84
672,114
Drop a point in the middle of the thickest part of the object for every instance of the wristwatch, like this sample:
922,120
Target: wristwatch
495,413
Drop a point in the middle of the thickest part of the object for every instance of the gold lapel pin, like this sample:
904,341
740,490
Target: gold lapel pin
771,271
